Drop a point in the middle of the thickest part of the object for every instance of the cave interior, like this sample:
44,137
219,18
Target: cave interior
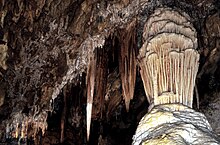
58,56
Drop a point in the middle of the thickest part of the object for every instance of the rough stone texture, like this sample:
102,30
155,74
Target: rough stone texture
174,124
211,111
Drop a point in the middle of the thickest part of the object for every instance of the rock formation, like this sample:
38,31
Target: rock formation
169,63
71,73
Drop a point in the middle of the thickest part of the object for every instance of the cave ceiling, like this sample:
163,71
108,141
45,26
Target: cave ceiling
59,56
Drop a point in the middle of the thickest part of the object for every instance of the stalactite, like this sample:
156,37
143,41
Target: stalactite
23,126
168,58
100,81
90,79
96,85
127,62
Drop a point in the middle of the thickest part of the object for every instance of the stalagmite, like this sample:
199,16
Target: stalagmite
174,124
169,63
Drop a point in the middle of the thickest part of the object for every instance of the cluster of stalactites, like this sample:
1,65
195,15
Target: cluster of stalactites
127,62
96,84
96,72
168,58
22,125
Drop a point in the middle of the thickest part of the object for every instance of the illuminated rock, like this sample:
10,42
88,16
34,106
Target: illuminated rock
174,124
169,63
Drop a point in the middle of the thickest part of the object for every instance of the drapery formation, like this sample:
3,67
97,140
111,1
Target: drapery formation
169,64
168,58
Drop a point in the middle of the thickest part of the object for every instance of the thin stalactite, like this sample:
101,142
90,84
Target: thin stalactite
96,85
127,62
90,79
100,82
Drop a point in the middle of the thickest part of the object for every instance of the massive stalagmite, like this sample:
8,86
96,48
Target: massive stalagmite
174,124
169,63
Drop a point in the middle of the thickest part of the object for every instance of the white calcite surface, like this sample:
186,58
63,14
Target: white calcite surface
174,124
